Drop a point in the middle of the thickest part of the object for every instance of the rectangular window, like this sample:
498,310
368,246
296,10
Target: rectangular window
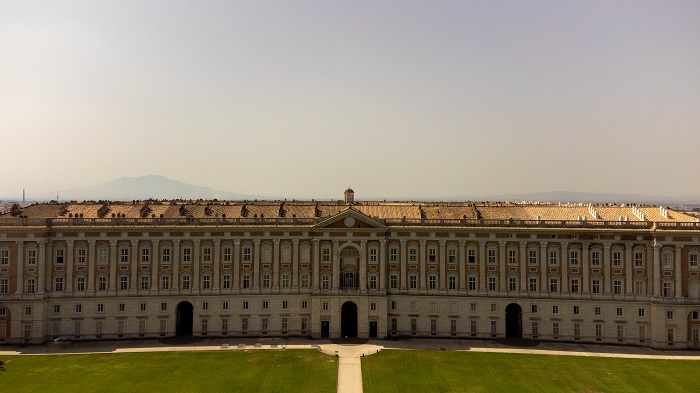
165,255
393,254
58,284
494,328
122,307
102,283
372,282
414,326
432,255
433,326
163,327
432,282
620,332
5,257
305,254
595,286
512,257
693,260
246,281
56,309
667,291
577,331
325,282
124,255
393,281
245,305
553,257
206,281
555,330
304,325
373,306
641,312
28,311
145,255
31,285
205,306
472,283
286,253
412,254
185,282
100,308
533,308
598,331
102,255
670,336
452,255
305,280
304,304
372,255
597,310
186,255
163,306
31,256
639,287
473,327
144,283
205,326
553,285
80,284
285,324
121,327
265,305
491,256
244,325
326,254
266,254
595,258
471,255
452,282
642,333
143,306
413,281
617,287
324,306
639,259
227,254
555,309
142,327
492,283
669,314
577,310
512,284
165,282
78,308
617,259
533,284
533,257
535,329
285,280
226,281
574,285
619,311
573,258
266,281
285,304
206,254
59,256
4,286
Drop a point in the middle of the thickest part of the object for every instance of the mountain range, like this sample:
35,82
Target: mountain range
159,187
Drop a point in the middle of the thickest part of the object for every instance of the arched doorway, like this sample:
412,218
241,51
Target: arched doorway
184,318
514,321
348,320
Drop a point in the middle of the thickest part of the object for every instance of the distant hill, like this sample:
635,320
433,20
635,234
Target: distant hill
143,187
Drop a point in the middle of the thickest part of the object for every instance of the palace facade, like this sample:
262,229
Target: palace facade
572,272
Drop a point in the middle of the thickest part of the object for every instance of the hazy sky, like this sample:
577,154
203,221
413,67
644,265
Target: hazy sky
393,98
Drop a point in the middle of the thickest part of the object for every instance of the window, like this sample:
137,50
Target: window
573,258
373,306
286,253
393,281
226,284
639,287
205,306
617,287
124,255
641,312
122,307
414,326
413,305
244,305
27,331
693,260
670,335
102,255
471,255
205,326
619,311
667,290
472,283
533,308
452,282
100,307
285,280
59,256
595,258
512,284
669,314
244,325
266,253
413,281
667,260
512,257
186,255
163,327
555,330
58,284
373,282
5,257
393,305
598,331
206,254
285,325
372,255
595,286
165,255
265,304
493,307
163,306
555,309
535,329
492,283
31,285
56,309
577,310
494,328
142,306
412,254
617,259
206,281
597,310
285,304
432,255
266,280
304,325
123,283
305,280
324,306
305,254
553,257
246,281
4,286
473,327
432,281
31,256
28,311
145,255
227,254
639,259
325,254
642,333
491,256
433,326
304,304
574,285
393,254
101,283
620,332
452,255
80,284
144,283
325,282
433,306
533,257
553,285
533,284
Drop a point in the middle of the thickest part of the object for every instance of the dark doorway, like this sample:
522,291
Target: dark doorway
348,320
325,329
183,318
514,321
373,329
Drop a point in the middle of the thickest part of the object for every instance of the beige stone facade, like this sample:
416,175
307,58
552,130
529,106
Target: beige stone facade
101,270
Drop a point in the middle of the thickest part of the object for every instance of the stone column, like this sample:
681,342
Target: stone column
363,266
335,255
422,258
216,280
155,250
49,259
482,266
607,272
544,285
502,270
70,260
133,288
236,265
276,265
657,269
443,267
678,290
43,260
113,262
91,260
317,266
295,265
585,263
20,268
176,265
564,263
523,267
256,265
404,265
382,265
462,265
196,245
628,269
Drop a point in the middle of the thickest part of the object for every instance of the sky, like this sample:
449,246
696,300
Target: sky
393,98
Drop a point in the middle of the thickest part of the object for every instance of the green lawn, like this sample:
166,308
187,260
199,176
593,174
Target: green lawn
437,371
224,371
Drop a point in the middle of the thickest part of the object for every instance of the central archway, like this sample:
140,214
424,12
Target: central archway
514,321
183,319
348,320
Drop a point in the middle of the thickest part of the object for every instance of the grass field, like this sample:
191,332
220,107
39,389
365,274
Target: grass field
436,371
224,371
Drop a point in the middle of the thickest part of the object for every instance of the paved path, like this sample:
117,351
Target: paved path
350,354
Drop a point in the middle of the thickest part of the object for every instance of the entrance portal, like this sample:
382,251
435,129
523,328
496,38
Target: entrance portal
183,319
325,329
373,329
348,320
514,321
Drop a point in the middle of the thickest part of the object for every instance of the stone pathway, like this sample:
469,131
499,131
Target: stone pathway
350,354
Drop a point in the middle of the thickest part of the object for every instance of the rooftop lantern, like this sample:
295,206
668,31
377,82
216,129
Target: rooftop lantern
349,196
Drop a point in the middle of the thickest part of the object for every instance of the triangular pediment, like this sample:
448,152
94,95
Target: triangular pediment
350,218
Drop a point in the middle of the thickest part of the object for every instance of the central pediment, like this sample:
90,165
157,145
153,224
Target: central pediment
350,218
